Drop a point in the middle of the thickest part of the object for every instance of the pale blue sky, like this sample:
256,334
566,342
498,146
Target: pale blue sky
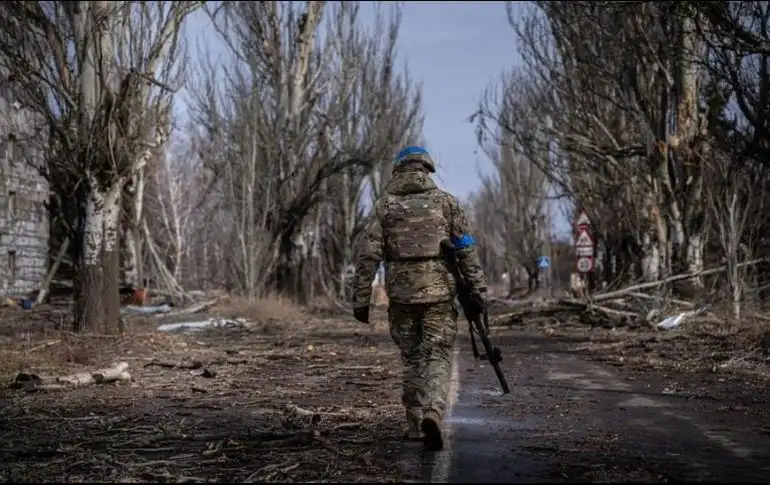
454,49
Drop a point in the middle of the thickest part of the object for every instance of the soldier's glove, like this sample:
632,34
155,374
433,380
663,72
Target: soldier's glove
361,314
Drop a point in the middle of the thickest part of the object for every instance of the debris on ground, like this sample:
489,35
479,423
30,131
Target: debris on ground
113,373
204,324
146,310
645,305
269,393
674,321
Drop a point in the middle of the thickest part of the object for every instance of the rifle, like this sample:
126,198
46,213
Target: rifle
477,317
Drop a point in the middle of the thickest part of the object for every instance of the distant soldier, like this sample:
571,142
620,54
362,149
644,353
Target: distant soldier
408,225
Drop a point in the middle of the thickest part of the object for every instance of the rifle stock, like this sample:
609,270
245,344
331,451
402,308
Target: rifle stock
474,314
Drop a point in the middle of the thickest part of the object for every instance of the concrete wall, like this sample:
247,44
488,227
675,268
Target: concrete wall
24,219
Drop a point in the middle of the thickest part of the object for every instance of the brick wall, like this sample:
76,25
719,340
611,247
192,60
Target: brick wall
24,219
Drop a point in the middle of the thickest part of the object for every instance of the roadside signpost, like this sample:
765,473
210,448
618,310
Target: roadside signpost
584,245
544,273
584,264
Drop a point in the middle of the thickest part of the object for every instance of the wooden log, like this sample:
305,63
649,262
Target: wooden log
116,372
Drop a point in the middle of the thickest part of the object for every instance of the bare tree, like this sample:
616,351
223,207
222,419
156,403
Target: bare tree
628,100
731,202
517,194
603,106
294,127
482,209
520,186
102,76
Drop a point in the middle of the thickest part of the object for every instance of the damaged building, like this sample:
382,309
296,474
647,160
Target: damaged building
24,218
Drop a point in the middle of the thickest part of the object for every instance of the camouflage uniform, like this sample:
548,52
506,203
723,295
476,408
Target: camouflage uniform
408,224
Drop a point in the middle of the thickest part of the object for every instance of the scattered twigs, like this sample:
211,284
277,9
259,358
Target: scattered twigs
621,307
176,365
645,296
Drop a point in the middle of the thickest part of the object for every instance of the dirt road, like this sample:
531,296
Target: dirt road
315,398
571,420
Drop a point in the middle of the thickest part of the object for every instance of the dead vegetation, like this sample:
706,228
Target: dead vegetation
652,119
709,342
288,129
288,397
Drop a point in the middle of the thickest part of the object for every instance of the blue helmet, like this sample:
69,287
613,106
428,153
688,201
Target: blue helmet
415,154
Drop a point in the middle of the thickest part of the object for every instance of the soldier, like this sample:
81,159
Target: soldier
408,225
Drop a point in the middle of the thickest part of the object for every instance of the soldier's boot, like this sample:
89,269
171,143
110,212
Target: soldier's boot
412,432
431,426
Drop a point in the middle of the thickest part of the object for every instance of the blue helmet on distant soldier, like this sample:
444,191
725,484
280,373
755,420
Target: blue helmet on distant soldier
415,154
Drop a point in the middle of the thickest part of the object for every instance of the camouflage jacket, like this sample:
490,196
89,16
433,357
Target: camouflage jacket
422,280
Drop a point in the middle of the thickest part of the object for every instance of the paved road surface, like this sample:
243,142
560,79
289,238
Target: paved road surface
570,420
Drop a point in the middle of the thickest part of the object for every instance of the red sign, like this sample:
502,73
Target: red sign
584,239
582,220
584,264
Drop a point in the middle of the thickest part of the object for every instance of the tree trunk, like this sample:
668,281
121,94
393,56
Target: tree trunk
129,267
651,259
284,282
301,292
138,251
129,244
695,250
532,279
89,272
111,261
509,268
612,265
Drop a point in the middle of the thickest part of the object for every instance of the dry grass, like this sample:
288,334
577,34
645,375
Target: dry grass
262,310
294,397
36,340
50,351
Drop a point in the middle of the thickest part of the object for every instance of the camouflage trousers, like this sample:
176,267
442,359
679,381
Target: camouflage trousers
425,334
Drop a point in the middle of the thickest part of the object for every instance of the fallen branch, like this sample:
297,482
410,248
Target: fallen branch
549,308
759,316
200,307
37,347
114,373
294,409
543,308
46,284
613,312
165,276
645,296
176,365
670,279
